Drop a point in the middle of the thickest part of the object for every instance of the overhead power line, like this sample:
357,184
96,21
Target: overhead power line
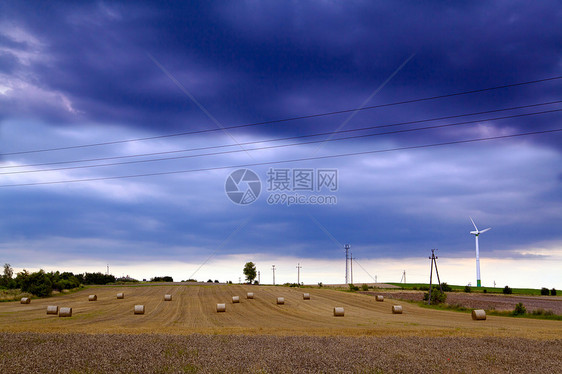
277,139
282,145
285,161
284,119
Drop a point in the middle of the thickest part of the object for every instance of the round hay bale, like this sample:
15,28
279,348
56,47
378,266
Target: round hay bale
53,309
306,296
25,300
121,295
397,309
280,300
65,312
235,299
221,308
338,311
380,298
167,297
250,295
92,298
479,315
139,309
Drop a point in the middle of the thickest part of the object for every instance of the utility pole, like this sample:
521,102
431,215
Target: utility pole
107,271
299,274
259,281
273,268
351,262
347,246
433,259
403,277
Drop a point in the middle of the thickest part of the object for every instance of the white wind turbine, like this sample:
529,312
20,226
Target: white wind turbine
476,233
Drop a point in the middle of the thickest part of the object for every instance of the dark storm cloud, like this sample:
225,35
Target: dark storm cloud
248,62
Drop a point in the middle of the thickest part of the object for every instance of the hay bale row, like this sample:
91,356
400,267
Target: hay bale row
65,312
479,315
338,311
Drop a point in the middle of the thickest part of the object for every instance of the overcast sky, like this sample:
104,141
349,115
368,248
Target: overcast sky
92,94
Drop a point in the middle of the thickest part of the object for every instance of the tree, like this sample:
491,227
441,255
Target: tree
5,279
250,271
8,271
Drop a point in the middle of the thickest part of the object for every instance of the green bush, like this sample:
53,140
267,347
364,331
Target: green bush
544,291
38,283
507,290
437,296
553,292
353,287
519,310
445,287
166,278
542,312
467,289
424,288
364,287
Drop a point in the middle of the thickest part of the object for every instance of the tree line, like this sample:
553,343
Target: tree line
41,283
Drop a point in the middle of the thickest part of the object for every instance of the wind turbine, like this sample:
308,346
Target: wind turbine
476,233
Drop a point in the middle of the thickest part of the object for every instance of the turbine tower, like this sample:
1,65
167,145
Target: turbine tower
477,232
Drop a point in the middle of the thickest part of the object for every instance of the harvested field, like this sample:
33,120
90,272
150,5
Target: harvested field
483,301
194,311
156,353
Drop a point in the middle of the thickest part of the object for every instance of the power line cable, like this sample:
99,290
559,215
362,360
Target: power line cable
278,146
285,161
280,139
282,120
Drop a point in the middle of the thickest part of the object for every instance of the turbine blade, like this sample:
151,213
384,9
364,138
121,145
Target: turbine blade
473,223
489,228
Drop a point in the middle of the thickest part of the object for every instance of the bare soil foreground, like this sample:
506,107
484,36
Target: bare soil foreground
157,353
484,301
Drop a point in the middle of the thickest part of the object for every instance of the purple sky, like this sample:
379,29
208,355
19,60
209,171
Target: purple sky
104,72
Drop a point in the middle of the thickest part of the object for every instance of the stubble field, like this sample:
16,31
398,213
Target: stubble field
188,335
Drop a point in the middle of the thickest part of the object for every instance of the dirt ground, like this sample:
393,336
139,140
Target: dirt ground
156,353
187,335
484,301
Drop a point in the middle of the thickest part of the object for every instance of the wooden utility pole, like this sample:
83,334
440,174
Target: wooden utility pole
433,259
